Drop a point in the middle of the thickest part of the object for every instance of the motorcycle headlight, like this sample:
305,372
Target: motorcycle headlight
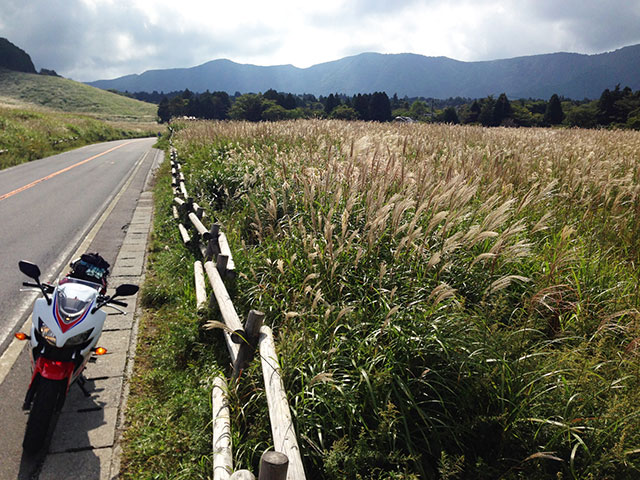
46,333
80,338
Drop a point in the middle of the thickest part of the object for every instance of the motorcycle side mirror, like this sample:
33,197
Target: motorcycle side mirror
31,270
126,290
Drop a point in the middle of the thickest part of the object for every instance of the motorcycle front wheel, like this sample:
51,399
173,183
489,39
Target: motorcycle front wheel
47,402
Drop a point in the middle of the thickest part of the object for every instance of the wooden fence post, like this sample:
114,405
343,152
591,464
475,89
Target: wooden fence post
221,264
223,244
273,466
181,205
213,249
249,341
198,210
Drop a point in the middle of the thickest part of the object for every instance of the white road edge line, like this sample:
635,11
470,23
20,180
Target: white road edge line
12,352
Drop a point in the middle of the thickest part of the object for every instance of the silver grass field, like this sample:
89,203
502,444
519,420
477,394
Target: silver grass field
448,302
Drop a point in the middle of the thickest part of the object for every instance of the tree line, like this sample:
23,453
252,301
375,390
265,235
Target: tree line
618,108
274,106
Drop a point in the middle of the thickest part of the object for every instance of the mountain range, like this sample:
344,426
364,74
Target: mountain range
571,75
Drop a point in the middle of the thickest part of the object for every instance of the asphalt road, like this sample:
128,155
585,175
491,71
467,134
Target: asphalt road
45,221
47,207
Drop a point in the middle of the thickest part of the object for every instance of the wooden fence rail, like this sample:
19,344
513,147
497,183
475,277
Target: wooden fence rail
242,342
222,454
282,430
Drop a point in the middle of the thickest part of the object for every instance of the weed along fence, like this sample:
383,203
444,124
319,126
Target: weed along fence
242,342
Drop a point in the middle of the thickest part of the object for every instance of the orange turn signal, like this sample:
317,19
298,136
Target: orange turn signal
21,336
101,351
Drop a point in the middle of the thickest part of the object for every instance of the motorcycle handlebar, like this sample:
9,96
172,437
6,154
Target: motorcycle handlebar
117,302
47,287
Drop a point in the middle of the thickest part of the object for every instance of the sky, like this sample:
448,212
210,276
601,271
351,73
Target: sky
100,39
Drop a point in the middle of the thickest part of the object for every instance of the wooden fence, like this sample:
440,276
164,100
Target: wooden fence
242,342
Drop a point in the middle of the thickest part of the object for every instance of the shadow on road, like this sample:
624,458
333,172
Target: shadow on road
70,450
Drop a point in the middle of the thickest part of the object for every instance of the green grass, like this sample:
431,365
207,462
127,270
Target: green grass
27,134
448,302
60,94
41,115
169,411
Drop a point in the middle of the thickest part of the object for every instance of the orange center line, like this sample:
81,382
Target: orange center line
54,174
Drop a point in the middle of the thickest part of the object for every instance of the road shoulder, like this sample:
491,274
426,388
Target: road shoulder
87,439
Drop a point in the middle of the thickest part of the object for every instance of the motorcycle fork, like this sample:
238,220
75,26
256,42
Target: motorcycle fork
28,398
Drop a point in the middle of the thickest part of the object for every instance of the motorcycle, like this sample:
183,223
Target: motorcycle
67,322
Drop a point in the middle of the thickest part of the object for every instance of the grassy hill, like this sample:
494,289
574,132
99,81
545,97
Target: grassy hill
27,90
29,134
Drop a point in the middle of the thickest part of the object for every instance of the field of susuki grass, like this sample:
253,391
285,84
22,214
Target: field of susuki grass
448,302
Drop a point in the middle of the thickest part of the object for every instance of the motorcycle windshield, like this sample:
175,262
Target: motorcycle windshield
73,299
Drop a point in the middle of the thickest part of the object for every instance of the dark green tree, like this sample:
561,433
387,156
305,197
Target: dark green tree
273,112
553,115
271,94
178,107
486,117
195,106
449,115
344,112
163,110
502,110
472,113
419,110
248,107
606,111
615,106
331,102
583,116
360,104
220,106
380,107
289,102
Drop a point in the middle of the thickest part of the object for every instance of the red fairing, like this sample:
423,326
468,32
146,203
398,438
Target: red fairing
53,370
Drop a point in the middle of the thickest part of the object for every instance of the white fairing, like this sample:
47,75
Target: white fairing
69,315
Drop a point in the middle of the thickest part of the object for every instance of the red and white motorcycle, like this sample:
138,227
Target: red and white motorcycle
66,325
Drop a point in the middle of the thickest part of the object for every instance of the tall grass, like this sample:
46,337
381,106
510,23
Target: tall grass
27,134
449,302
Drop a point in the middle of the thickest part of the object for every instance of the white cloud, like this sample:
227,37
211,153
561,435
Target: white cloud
91,39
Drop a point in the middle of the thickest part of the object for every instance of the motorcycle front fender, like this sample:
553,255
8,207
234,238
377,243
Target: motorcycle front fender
53,370
50,369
